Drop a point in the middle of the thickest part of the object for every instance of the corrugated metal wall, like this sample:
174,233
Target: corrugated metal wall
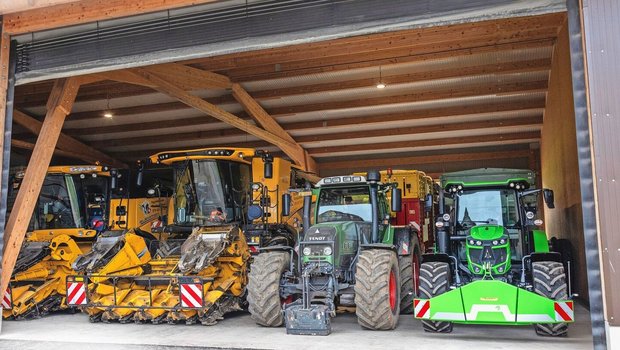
602,36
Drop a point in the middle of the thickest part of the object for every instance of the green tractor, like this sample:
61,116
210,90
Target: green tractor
492,263
350,256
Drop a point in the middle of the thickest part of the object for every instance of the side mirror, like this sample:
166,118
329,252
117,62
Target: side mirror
121,210
428,203
268,170
139,174
396,200
549,199
286,204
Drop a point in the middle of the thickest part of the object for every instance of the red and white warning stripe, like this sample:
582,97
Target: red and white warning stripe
76,293
7,301
191,295
422,308
564,311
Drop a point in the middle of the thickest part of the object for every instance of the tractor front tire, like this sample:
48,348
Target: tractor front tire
435,280
377,289
549,280
409,272
264,301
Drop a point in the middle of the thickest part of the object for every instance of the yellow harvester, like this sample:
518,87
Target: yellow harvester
71,210
197,270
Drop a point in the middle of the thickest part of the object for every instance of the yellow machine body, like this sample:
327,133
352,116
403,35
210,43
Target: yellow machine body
213,259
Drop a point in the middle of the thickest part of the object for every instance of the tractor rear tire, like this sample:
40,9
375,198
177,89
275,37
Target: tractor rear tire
409,269
549,280
377,289
264,301
435,280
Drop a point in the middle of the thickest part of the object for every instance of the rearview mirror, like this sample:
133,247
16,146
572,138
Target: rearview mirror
286,204
396,200
428,203
549,199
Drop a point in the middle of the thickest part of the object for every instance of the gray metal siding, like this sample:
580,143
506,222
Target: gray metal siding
602,37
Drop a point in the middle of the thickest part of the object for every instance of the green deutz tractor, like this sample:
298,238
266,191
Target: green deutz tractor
350,256
492,263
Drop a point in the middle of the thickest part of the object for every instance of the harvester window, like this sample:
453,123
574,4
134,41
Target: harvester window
209,193
54,208
344,204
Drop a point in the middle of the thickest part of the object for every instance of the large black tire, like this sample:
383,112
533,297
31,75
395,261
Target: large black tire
264,301
435,280
408,289
549,280
377,289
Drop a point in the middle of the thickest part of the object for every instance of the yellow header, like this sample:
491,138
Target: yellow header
79,169
242,155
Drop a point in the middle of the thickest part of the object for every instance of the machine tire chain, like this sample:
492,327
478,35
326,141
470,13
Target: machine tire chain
264,288
372,289
549,280
435,280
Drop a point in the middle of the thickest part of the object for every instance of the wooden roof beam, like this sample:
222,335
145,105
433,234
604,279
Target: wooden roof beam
385,162
86,11
67,143
444,141
30,146
162,85
490,124
262,118
470,91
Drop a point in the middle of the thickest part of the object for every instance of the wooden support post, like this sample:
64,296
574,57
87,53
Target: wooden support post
262,118
67,143
59,105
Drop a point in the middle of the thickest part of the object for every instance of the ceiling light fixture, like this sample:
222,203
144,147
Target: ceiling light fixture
380,84
108,112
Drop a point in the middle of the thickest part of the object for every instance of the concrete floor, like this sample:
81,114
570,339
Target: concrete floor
239,332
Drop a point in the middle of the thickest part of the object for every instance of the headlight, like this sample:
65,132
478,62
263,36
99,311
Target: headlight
472,242
478,242
495,242
439,224
307,251
446,217
529,215
502,241
500,269
327,251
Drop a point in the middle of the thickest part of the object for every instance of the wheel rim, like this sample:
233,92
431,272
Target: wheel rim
416,274
392,290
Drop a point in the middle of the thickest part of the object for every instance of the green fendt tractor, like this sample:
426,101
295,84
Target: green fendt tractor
349,256
492,263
